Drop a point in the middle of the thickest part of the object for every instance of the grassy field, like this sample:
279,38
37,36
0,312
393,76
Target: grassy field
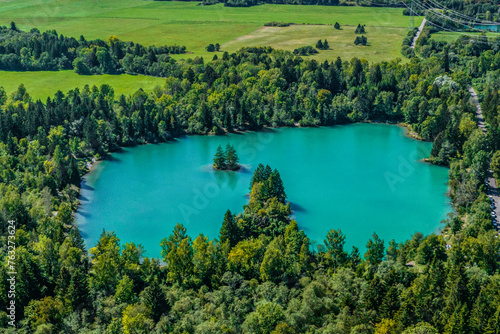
41,85
380,46
449,37
187,23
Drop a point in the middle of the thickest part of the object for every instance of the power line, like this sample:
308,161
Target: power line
456,13
447,29
428,8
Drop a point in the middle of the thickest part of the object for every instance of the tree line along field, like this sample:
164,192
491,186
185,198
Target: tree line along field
195,26
43,84
449,37
187,23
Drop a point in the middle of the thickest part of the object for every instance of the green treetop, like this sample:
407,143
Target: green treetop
231,158
270,183
257,175
219,159
229,230
360,29
275,187
226,160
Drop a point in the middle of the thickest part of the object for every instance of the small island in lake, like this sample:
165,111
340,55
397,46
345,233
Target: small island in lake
226,159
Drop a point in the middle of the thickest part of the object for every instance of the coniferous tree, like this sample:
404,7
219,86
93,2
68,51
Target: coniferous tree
446,60
231,158
267,172
392,251
375,250
258,175
275,187
219,159
154,299
229,230
325,45
319,45
337,25
338,64
334,244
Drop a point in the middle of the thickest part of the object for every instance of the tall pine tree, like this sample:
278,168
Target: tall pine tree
219,159
231,158
275,187
229,230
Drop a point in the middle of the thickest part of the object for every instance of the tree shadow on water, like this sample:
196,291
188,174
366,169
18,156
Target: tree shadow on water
85,186
83,214
82,198
297,207
113,158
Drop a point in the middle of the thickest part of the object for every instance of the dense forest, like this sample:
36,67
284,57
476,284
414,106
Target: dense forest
261,275
48,51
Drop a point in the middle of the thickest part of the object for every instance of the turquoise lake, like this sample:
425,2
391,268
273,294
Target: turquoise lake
361,178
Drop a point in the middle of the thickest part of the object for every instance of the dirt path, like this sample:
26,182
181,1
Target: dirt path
492,184
418,33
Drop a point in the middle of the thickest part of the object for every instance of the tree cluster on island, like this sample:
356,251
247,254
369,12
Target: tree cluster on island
322,45
360,29
266,183
226,159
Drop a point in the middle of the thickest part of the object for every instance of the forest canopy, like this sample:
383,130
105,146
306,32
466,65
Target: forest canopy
48,51
261,274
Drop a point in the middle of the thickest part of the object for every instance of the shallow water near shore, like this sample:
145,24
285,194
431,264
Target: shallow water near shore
361,178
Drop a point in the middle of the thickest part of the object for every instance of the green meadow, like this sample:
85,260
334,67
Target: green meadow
196,26
381,46
446,36
43,84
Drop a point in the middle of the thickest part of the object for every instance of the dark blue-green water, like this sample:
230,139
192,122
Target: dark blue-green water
361,178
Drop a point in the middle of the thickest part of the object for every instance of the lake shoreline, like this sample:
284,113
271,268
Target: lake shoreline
407,132
219,180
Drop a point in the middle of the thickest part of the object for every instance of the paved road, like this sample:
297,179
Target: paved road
418,33
492,184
